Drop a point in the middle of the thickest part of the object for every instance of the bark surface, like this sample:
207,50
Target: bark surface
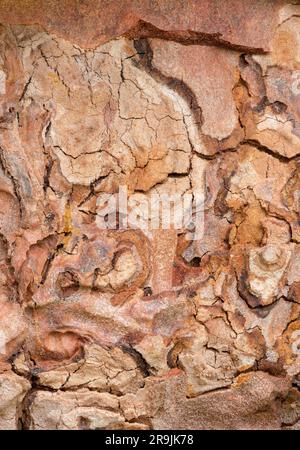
142,328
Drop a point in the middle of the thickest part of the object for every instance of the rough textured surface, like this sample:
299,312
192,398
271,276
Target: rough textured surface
135,328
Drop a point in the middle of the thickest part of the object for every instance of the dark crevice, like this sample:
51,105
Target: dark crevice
271,152
144,61
142,364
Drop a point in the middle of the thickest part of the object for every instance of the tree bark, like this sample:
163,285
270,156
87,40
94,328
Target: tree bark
114,314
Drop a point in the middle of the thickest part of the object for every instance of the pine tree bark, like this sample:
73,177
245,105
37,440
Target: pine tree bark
140,327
